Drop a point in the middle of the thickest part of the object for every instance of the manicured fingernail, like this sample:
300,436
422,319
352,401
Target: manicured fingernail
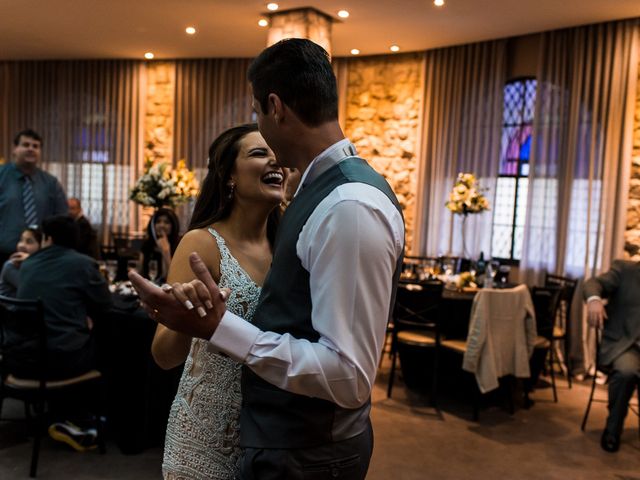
202,312
167,288
209,304
223,295
189,305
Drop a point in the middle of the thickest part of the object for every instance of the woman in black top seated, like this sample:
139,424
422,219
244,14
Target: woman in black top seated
162,240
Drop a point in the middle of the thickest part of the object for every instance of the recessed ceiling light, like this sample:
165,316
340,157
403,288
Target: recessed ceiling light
272,6
263,22
438,3
149,55
343,14
190,30
394,48
355,51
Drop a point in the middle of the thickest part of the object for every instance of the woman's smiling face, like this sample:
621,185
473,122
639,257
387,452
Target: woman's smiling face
256,175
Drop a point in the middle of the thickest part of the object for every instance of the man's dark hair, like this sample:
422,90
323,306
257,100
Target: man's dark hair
299,72
27,133
62,229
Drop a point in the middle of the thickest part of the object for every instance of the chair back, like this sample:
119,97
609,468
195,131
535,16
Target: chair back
23,336
418,306
545,302
568,289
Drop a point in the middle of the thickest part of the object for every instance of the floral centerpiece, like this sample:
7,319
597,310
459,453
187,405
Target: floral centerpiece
466,280
466,196
161,185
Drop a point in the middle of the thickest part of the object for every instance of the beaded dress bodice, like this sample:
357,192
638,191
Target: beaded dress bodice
203,429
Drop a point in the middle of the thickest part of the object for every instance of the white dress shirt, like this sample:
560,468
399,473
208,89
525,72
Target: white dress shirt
349,245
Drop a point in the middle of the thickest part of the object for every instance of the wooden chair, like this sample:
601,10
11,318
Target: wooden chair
635,408
562,325
497,326
546,301
22,327
416,326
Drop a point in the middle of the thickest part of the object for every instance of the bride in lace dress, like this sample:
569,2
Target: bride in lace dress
232,229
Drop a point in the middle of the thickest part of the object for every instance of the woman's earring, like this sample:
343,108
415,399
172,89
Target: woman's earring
232,188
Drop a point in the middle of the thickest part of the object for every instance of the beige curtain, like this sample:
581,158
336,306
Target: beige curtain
212,95
581,154
88,113
461,133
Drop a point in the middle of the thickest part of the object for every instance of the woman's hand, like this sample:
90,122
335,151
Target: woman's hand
18,257
163,244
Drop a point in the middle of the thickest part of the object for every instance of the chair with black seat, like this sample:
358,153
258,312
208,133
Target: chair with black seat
500,337
415,325
545,301
635,408
23,338
562,326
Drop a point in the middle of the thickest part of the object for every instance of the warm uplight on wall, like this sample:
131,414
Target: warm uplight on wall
438,3
149,56
343,14
394,48
272,6
263,22
190,30
355,51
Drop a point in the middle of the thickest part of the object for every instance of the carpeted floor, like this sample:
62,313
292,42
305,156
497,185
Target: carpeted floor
412,441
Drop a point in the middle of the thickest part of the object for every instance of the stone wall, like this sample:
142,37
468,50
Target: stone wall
383,115
159,114
632,235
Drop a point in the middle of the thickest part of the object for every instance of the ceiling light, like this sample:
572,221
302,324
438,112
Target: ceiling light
149,55
438,3
343,14
190,30
394,48
272,6
355,51
263,22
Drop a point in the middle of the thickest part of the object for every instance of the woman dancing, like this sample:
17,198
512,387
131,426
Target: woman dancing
232,229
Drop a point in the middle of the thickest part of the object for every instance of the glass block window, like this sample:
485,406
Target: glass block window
512,187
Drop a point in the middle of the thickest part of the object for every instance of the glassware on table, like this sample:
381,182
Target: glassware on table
102,268
112,270
153,270
132,265
492,269
449,267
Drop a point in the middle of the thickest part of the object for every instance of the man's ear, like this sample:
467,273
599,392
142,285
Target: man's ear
276,107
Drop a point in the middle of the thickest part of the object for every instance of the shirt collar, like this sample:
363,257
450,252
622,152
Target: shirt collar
326,159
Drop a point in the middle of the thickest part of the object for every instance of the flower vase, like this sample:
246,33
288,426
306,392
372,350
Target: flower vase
465,254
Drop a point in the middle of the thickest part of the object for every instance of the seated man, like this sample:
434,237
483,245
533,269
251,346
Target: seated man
620,346
72,289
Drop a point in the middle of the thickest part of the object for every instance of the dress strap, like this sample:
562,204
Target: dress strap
225,255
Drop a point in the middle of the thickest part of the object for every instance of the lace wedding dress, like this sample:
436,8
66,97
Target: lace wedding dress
203,429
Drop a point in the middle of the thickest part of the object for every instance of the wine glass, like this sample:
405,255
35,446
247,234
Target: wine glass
132,265
153,270
492,271
112,270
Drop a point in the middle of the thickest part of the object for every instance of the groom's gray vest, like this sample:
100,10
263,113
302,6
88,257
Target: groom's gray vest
272,417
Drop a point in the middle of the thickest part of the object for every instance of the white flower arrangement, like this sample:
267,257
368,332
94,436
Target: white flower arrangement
160,185
466,196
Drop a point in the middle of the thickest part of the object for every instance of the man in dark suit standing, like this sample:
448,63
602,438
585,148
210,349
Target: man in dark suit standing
87,236
620,346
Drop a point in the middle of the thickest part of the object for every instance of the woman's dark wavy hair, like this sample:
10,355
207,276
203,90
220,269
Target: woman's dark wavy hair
174,237
213,203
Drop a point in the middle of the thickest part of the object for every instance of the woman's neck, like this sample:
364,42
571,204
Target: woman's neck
247,224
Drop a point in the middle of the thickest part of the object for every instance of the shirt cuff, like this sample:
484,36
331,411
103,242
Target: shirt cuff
234,336
593,297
